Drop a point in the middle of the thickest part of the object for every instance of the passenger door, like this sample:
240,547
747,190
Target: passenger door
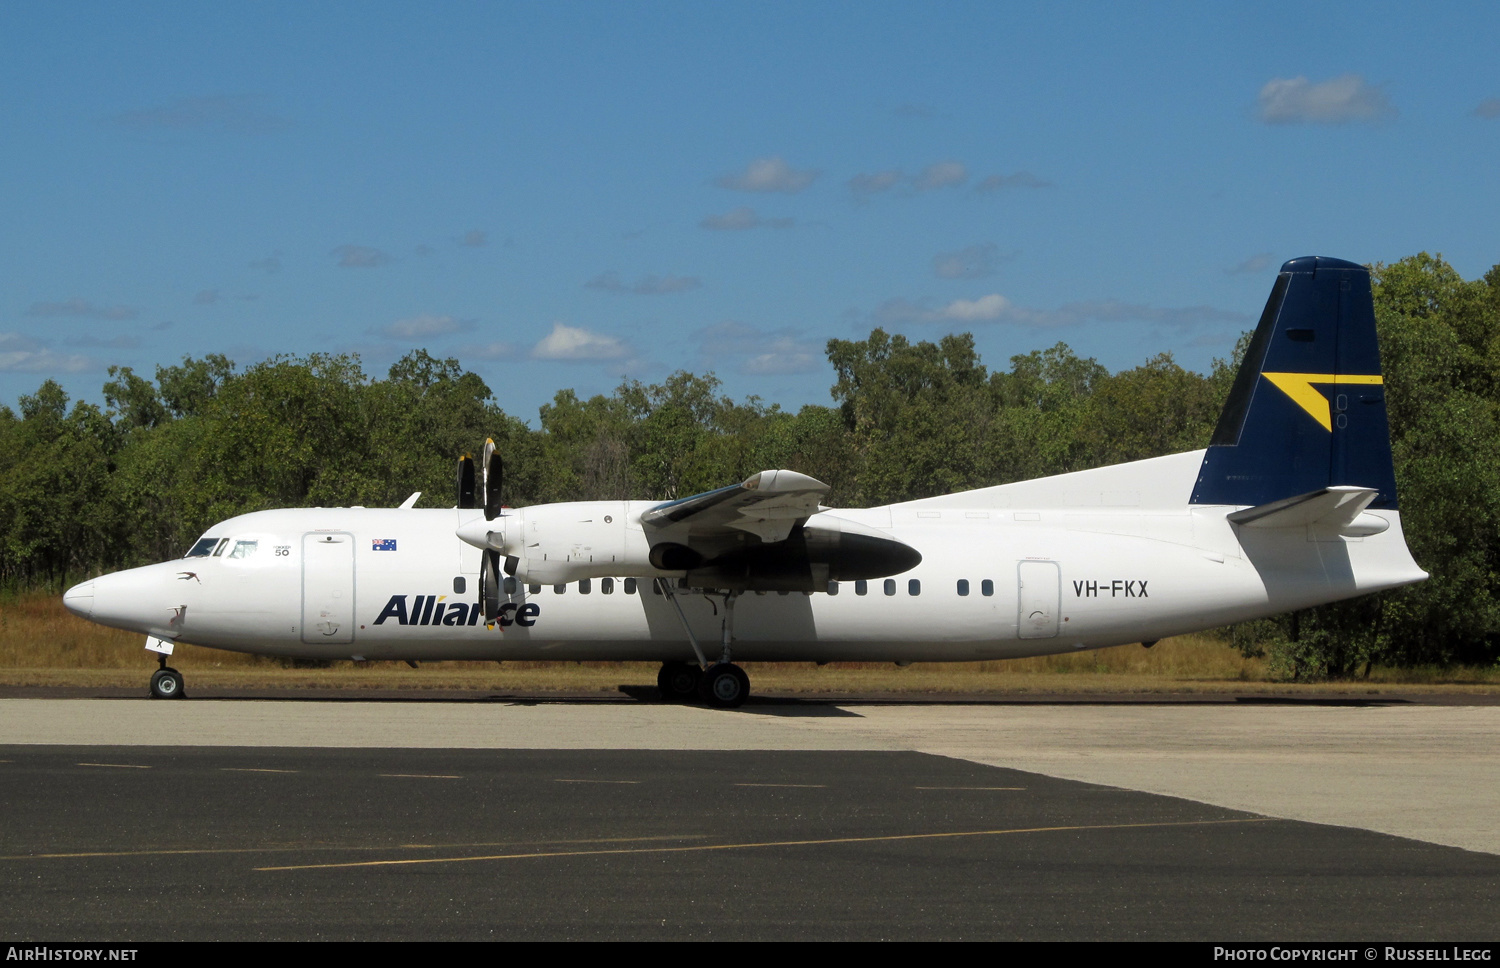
1040,599
327,587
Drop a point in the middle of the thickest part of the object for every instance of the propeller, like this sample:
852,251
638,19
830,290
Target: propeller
466,481
493,473
489,585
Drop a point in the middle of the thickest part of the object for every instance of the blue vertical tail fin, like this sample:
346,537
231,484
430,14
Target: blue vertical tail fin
1307,409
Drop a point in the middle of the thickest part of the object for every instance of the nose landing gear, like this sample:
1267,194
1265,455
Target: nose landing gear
166,682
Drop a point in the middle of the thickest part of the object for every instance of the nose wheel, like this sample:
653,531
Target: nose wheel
166,683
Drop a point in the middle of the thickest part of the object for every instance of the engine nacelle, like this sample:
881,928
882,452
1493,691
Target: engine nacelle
556,544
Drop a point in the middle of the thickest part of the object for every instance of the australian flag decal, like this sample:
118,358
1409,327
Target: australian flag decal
383,544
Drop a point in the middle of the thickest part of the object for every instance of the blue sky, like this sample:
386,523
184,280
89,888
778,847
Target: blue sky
566,194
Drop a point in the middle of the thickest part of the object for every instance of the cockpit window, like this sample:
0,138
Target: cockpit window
220,549
244,549
203,548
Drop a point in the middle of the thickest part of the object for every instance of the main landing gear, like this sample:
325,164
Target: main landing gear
166,682
723,684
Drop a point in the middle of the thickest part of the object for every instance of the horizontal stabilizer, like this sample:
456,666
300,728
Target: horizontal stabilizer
1337,509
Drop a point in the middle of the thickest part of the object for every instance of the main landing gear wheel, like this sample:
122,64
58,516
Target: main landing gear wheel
724,686
678,681
166,684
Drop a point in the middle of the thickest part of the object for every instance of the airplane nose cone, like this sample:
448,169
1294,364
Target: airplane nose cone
80,599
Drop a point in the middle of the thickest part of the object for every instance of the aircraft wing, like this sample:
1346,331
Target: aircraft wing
768,505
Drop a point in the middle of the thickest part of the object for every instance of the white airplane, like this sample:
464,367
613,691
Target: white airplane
1293,504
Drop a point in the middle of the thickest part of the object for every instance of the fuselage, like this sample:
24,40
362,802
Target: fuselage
1079,570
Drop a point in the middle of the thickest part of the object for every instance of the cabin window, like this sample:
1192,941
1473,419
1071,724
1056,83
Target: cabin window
890,586
861,587
987,588
782,592
963,586
606,586
630,586
244,549
533,589
656,586
559,589
833,588
459,585
914,587
509,585
583,586
203,548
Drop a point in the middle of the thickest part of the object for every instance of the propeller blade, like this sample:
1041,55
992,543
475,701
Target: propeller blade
493,472
489,585
466,481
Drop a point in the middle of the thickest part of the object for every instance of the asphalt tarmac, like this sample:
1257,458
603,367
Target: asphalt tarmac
539,820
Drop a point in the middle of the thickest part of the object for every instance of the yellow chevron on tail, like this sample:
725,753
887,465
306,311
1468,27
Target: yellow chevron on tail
1299,386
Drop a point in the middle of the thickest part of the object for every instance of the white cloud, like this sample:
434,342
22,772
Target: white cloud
498,350
983,309
943,174
769,175
22,354
425,325
756,351
1489,109
995,308
238,115
360,257
122,342
645,286
1258,262
973,262
864,185
81,307
742,219
1020,179
786,355
1113,311
1343,99
578,345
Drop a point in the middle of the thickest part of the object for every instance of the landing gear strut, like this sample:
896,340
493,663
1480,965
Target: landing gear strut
166,682
723,684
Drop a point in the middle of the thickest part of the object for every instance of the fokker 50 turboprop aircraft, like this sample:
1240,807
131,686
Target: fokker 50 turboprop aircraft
1292,504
